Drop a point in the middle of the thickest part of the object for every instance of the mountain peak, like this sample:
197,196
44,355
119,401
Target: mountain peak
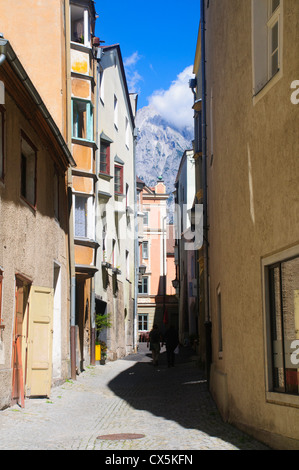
160,146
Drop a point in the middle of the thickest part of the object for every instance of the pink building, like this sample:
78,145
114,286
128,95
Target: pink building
157,302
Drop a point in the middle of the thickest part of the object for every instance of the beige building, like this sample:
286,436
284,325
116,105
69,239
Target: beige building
250,157
34,351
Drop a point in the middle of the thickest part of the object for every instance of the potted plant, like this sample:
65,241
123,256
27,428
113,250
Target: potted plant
102,322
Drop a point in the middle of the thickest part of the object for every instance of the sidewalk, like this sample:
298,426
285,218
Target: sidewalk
139,407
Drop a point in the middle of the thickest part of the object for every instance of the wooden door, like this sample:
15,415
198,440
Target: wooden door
20,337
39,369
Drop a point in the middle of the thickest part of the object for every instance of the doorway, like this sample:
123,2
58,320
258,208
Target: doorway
20,341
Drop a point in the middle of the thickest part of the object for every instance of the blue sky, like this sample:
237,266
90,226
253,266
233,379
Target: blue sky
157,41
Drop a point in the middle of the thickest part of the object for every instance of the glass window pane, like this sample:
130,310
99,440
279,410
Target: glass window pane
80,216
274,63
275,4
275,37
290,291
276,329
1,144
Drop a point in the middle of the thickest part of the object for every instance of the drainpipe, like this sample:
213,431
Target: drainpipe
70,196
208,324
136,251
3,44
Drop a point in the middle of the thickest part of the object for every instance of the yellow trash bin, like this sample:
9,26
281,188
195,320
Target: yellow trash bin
98,352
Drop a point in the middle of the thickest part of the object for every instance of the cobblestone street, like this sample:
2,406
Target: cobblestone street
167,408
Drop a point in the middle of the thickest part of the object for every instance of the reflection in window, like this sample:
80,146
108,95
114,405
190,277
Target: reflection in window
284,316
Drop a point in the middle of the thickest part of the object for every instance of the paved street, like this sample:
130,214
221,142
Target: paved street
164,408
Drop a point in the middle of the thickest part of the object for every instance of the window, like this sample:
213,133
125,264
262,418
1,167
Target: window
115,112
2,116
1,281
82,113
80,25
80,216
56,194
143,286
145,250
127,131
118,179
105,158
283,281
143,322
127,265
267,42
28,170
145,217
102,86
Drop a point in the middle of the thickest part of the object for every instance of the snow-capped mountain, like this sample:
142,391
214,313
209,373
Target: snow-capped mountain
159,149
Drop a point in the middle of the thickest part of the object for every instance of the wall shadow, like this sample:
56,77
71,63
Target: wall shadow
179,394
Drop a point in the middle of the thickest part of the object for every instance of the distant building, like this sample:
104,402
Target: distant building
157,302
185,251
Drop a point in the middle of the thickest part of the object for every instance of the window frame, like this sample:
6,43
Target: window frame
272,396
1,291
86,26
24,184
107,145
2,143
145,252
56,195
143,320
146,217
89,120
263,19
121,177
141,287
89,213
115,112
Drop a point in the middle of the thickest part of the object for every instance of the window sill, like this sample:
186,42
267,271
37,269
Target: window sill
105,176
86,142
270,84
282,399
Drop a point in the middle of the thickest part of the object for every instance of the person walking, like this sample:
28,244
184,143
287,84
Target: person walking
171,340
154,343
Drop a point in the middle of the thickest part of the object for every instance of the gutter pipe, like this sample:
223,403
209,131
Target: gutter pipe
208,323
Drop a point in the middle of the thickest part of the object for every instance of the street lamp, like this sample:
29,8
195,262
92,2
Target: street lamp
142,269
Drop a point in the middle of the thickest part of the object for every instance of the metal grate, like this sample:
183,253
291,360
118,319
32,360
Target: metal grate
120,437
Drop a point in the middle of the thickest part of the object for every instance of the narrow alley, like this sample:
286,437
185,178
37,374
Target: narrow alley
127,405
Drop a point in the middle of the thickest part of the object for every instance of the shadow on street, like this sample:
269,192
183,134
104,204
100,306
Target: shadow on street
179,394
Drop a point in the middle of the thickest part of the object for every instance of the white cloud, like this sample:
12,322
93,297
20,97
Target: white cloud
132,60
175,104
133,76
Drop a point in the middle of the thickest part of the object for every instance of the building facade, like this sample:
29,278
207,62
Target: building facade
249,152
157,301
34,159
185,249
115,281
83,107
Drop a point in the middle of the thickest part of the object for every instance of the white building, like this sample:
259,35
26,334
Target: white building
115,286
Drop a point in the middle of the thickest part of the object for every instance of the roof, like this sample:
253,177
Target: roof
117,48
